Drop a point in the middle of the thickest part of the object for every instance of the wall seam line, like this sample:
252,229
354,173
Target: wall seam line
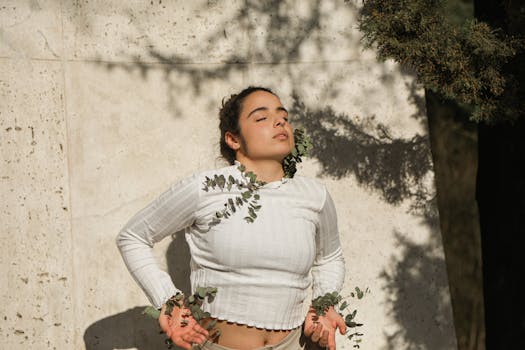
68,167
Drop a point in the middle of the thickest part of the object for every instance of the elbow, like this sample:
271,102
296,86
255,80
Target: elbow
128,237
120,237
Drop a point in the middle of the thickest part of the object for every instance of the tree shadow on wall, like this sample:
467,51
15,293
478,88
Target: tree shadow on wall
417,289
278,34
398,170
133,329
365,148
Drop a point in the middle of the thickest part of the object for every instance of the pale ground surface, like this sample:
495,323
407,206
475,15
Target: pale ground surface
106,103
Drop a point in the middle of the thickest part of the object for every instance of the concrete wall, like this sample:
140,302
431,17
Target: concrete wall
105,103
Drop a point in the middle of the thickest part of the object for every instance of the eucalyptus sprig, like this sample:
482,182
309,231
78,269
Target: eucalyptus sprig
323,302
194,303
302,146
248,187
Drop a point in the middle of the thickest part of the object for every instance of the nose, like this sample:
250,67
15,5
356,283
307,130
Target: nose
279,120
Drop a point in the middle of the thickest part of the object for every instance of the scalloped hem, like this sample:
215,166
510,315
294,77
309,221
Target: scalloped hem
258,325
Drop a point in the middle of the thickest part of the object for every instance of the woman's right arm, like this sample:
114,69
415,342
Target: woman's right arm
172,211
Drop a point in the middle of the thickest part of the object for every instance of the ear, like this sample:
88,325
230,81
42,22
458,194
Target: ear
232,141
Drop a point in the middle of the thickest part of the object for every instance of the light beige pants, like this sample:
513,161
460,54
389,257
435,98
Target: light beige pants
291,342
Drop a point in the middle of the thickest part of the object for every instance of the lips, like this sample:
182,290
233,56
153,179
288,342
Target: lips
282,134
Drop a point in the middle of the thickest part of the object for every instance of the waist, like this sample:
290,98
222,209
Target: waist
244,337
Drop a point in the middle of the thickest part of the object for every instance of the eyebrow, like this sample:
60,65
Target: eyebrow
281,108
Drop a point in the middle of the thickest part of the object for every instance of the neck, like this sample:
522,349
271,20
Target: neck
266,170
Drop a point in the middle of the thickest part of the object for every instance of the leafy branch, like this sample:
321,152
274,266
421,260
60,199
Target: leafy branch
471,64
303,145
323,302
194,303
249,185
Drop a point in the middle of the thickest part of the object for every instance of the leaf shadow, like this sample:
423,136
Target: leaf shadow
282,38
366,149
417,292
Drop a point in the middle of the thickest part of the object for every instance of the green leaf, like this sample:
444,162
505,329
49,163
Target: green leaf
151,312
201,292
221,181
232,205
212,324
251,176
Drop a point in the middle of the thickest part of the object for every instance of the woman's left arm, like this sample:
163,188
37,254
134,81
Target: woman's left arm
328,273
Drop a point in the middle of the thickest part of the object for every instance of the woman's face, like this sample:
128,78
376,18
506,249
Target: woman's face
265,130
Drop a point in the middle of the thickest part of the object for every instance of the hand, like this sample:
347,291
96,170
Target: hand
321,329
182,328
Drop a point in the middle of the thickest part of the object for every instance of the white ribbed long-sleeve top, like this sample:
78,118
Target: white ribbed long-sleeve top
262,270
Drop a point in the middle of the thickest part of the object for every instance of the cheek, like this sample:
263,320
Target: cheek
253,136
292,139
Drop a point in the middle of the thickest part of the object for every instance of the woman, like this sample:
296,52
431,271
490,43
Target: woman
261,269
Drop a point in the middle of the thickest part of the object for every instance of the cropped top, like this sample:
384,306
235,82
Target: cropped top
262,270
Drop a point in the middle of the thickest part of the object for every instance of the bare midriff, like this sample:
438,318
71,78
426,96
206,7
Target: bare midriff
243,337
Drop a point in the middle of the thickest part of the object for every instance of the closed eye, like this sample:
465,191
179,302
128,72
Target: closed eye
259,119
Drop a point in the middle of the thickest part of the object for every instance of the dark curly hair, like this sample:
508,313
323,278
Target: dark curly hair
229,118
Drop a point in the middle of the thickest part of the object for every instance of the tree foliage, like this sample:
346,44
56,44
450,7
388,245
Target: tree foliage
468,63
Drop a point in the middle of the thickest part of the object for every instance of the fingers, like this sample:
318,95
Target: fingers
324,340
331,340
202,331
164,322
191,332
186,338
182,344
193,337
316,334
309,329
341,325
322,335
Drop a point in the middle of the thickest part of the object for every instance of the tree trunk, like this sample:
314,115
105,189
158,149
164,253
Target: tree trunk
500,193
